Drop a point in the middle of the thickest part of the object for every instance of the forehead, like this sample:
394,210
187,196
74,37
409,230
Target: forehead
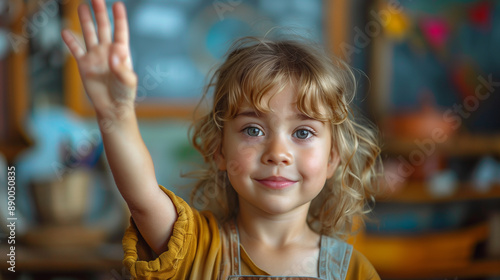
277,99
282,103
286,94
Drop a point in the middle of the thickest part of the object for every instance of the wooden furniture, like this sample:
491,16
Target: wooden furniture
446,254
103,262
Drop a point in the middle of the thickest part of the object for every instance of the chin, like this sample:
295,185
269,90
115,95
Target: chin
280,207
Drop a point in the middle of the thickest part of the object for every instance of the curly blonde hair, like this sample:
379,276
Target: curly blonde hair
325,89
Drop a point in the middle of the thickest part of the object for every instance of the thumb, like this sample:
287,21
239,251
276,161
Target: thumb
123,81
121,68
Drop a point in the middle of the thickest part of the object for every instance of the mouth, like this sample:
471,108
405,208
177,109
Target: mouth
276,183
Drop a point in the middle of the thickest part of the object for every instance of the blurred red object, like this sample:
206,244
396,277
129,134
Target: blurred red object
416,135
480,14
420,124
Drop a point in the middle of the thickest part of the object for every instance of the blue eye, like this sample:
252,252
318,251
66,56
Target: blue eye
253,131
303,134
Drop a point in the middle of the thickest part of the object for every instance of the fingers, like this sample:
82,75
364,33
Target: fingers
121,25
87,25
74,46
103,25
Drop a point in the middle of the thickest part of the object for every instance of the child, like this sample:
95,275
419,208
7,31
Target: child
288,167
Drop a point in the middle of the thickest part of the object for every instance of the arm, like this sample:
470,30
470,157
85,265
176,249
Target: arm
110,82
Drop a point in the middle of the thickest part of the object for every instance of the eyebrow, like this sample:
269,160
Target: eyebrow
253,114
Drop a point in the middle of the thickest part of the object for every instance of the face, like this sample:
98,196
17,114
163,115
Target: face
277,161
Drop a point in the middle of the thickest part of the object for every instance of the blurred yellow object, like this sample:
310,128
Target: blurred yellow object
397,25
62,205
402,256
64,201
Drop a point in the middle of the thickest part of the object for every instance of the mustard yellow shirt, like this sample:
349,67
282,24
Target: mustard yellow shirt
195,250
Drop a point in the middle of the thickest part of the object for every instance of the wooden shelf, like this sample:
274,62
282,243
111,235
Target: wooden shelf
417,192
459,145
70,259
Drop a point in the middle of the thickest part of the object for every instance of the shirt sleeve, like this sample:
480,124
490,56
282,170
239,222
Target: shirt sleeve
193,250
361,268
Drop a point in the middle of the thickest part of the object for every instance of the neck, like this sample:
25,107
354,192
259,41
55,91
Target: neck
274,231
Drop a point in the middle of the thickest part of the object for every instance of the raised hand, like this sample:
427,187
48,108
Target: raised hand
106,71
105,66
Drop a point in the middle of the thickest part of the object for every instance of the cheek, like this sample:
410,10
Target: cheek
240,158
313,162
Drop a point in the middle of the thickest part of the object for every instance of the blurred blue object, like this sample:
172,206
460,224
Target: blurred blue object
486,174
443,183
51,128
411,219
157,20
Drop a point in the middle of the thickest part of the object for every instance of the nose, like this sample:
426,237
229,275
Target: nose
277,151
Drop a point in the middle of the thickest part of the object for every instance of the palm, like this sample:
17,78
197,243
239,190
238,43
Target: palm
109,85
97,77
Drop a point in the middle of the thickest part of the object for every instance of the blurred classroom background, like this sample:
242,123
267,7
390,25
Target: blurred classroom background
428,77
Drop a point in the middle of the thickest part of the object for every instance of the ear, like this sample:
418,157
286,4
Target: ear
333,162
220,160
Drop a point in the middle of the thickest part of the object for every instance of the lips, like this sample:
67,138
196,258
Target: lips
277,183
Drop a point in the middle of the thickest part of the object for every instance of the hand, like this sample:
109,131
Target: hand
105,66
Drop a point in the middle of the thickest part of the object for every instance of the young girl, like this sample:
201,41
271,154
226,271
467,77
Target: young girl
288,167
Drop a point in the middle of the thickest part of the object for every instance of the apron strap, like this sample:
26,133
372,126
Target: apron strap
230,246
235,248
334,258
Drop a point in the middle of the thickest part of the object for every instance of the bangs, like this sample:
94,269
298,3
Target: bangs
252,88
250,73
321,98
